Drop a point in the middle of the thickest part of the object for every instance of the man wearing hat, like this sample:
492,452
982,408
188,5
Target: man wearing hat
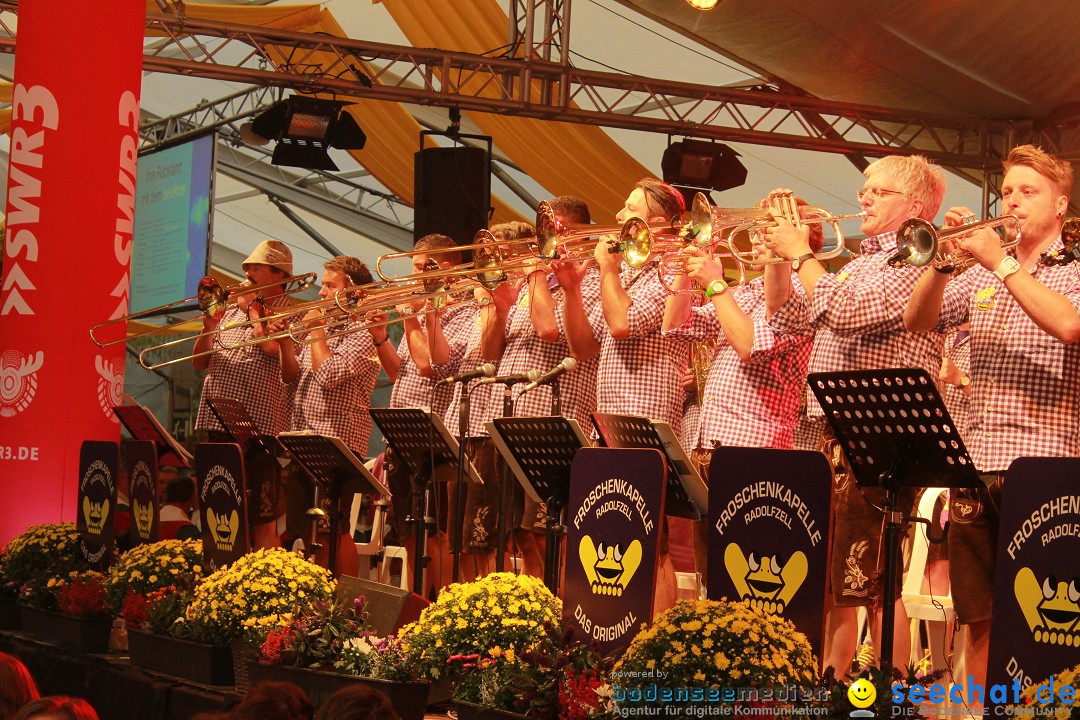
248,374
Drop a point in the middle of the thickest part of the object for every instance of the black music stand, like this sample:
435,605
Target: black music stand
418,437
540,452
687,493
895,431
333,466
240,426
143,425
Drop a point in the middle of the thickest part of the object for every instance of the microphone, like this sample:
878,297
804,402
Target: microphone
486,370
513,379
566,365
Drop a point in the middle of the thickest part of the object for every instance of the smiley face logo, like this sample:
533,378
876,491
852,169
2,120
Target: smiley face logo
862,693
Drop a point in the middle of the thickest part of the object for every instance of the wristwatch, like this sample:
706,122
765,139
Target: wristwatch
797,262
1008,266
965,380
716,287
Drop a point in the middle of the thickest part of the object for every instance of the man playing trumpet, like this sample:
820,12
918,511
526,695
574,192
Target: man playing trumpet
1025,363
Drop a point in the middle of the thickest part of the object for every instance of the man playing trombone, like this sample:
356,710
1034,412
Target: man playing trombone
1025,362
857,317
247,374
333,373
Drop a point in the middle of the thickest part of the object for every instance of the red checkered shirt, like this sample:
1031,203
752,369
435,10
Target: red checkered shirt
857,317
334,400
1025,384
247,375
463,336
411,389
754,403
526,351
642,374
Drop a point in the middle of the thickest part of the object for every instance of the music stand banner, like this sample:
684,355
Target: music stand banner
141,463
614,518
222,497
769,516
97,501
1035,628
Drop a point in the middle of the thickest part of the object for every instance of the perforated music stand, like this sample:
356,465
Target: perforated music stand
143,425
540,452
419,438
895,431
333,466
687,493
234,417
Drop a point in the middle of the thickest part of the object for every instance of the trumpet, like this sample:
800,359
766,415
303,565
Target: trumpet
722,224
491,263
1070,238
918,242
211,301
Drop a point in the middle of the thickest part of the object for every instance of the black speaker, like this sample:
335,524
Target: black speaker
388,607
452,191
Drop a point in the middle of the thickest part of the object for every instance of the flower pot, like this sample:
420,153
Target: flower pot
409,699
208,664
10,617
472,711
88,634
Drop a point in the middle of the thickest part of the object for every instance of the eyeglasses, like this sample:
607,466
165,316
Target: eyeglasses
876,193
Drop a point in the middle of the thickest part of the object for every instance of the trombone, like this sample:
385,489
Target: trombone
211,301
918,242
1070,239
489,266
556,240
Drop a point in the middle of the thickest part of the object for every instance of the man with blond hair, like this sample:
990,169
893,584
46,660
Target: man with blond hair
857,319
1025,364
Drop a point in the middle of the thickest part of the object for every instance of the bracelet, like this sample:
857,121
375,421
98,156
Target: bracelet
945,269
380,344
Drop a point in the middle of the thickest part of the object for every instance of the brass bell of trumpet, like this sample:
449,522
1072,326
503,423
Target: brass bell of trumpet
918,242
1070,238
556,240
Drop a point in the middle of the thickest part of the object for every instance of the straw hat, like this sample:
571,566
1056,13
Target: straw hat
274,253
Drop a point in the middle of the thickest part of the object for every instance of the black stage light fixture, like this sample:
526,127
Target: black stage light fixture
693,165
305,128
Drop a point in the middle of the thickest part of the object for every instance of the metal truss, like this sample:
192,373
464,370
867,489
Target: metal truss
554,91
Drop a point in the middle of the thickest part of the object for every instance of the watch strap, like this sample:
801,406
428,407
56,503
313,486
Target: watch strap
715,288
798,262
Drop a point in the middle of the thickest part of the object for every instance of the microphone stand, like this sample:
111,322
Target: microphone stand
552,549
459,491
505,491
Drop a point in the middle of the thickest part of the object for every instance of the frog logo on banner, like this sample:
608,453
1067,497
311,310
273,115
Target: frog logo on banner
224,525
608,568
144,517
95,513
761,581
110,385
18,380
1051,608
96,489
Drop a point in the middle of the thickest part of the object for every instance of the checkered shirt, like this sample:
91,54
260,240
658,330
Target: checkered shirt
463,336
247,375
1025,385
958,349
754,403
641,375
526,351
334,400
411,389
857,317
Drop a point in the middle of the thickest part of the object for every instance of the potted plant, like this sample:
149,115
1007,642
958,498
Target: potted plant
502,610
702,646
41,552
557,677
328,645
72,611
1047,702
153,566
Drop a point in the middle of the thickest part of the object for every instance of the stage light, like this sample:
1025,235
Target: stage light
702,4
693,165
305,128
